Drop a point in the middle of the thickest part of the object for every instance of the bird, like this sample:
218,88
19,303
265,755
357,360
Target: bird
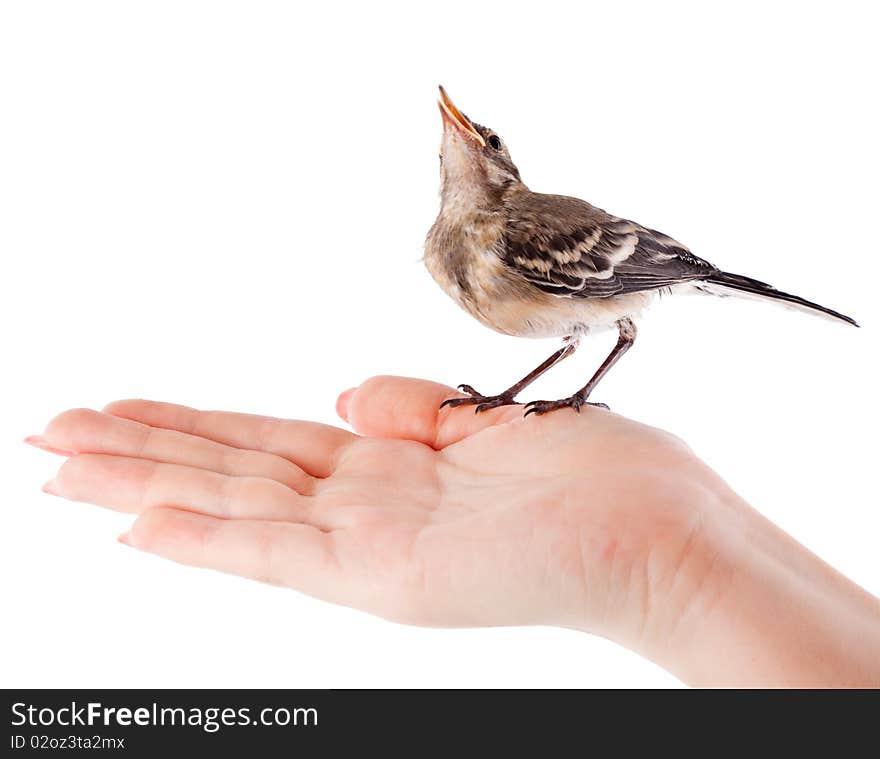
530,264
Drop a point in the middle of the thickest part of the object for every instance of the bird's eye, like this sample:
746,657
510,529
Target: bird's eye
494,142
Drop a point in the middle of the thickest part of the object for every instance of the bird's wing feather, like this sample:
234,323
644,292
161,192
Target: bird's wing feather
569,248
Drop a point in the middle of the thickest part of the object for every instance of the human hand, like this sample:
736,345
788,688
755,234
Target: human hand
429,517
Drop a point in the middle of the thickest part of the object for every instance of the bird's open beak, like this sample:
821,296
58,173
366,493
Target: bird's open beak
452,116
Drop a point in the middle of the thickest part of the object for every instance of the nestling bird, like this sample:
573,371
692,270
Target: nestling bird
535,265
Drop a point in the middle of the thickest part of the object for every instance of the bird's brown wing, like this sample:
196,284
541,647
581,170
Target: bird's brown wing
569,248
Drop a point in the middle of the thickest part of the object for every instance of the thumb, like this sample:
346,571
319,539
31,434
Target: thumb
407,408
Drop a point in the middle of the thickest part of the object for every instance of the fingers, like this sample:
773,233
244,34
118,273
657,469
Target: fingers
87,431
311,446
293,555
136,485
410,408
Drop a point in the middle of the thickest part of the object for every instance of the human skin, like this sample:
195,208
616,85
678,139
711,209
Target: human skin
446,518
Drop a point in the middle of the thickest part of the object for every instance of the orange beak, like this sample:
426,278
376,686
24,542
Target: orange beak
452,116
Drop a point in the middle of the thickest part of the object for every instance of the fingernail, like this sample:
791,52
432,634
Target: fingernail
342,402
38,441
51,488
125,539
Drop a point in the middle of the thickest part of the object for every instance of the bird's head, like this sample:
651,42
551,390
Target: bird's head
475,166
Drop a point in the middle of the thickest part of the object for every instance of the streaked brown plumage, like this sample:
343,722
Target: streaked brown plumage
535,265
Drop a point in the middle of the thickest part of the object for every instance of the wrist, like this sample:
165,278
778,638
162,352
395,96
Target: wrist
752,607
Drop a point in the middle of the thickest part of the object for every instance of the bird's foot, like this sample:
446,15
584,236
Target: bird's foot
575,401
482,402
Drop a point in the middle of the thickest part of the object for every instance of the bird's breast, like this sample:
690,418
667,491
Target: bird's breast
463,258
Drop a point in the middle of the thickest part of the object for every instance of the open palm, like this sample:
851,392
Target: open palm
428,517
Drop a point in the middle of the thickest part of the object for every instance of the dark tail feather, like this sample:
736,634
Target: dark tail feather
754,287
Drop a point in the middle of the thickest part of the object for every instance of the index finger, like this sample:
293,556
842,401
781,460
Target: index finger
311,446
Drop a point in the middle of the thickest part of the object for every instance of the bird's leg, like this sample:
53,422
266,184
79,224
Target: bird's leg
626,337
484,402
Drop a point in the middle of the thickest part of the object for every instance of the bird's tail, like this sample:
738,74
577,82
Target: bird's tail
751,286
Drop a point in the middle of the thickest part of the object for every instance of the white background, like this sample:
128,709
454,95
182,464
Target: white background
223,204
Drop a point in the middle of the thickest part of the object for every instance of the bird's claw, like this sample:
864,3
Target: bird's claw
575,401
480,401
495,402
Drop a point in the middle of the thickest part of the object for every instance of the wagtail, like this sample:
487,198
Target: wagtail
535,265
